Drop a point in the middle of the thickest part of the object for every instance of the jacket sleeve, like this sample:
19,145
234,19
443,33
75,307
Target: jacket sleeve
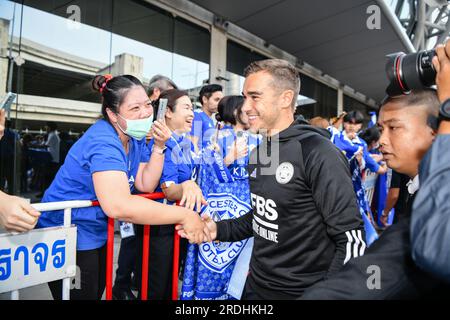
430,219
328,175
235,229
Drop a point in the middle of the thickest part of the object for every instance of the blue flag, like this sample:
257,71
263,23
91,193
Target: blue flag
209,266
371,233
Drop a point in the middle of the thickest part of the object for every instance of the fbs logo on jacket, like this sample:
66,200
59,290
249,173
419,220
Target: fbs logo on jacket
216,256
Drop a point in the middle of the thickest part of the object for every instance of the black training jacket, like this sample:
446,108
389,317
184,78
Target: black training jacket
305,218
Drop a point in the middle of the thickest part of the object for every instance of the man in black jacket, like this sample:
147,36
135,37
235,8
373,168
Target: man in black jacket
305,218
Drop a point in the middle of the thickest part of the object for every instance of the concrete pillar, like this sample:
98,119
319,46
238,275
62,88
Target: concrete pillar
4,52
233,87
218,57
128,64
340,101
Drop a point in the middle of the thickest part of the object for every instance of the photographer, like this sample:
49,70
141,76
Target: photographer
406,135
430,232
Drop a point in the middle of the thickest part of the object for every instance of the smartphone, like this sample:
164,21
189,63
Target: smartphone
8,101
162,108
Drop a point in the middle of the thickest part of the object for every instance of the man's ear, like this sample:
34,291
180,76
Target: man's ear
204,100
287,97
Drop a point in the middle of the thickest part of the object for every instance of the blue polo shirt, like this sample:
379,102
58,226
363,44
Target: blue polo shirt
99,149
227,136
202,128
179,165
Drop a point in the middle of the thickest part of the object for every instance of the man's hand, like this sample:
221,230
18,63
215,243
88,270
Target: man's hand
209,231
377,157
192,196
192,228
16,214
382,169
383,219
2,122
441,63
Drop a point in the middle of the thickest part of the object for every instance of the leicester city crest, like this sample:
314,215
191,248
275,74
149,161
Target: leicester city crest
216,255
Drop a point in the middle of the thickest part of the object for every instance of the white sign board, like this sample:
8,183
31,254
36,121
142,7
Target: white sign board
37,257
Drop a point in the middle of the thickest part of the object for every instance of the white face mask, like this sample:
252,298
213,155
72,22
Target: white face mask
137,129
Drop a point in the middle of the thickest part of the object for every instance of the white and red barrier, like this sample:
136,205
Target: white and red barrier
14,246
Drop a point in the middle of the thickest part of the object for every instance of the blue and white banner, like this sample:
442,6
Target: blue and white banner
209,266
371,233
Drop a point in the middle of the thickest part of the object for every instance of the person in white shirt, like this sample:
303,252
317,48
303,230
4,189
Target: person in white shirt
53,141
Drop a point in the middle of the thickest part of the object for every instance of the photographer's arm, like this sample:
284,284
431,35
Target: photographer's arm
430,220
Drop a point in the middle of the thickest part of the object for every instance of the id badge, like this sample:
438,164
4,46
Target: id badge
126,229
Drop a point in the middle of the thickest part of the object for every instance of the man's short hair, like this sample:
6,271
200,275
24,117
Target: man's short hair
426,98
208,90
285,75
161,82
319,122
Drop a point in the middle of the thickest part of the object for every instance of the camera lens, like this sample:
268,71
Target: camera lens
406,72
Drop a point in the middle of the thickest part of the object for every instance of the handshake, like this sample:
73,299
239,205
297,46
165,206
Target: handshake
198,230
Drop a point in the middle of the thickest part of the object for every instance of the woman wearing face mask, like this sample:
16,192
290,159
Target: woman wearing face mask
108,163
178,184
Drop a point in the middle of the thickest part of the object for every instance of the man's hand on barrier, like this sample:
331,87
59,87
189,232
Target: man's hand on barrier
192,196
16,214
441,63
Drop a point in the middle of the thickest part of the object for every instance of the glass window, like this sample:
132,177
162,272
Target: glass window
62,45
325,98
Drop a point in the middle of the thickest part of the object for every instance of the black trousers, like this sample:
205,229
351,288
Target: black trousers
160,261
92,267
385,272
126,262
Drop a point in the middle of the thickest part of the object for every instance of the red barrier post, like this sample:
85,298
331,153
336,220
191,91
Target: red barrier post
145,255
145,251
109,258
175,270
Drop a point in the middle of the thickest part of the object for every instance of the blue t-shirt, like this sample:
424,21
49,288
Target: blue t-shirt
179,164
202,128
227,136
99,149
351,146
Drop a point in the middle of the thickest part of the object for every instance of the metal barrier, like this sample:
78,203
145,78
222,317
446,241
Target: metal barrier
63,246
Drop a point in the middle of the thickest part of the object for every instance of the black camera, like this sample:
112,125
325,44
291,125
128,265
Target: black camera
406,72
